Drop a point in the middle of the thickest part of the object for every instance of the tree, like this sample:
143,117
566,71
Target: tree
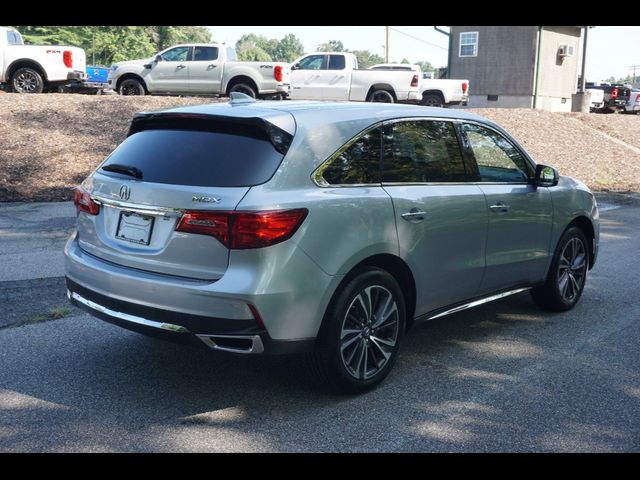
331,46
115,43
366,58
405,61
425,66
288,49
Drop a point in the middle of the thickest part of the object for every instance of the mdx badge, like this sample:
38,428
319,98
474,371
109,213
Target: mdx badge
204,199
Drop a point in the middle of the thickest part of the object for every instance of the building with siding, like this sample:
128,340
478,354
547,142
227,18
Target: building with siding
517,66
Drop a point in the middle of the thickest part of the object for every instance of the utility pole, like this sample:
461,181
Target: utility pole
386,48
633,67
583,80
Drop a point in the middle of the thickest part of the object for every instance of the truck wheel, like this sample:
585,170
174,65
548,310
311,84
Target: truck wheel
244,88
432,100
381,96
131,86
27,80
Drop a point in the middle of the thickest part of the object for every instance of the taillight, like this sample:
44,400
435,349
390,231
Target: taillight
82,201
244,230
67,58
414,81
614,93
277,72
465,85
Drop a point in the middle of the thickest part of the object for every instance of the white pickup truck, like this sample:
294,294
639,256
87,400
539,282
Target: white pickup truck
335,76
433,92
199,69
34,68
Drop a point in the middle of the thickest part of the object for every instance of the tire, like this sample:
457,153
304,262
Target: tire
381,96
567,275
355,351
27,80
245,88
432,100
131,86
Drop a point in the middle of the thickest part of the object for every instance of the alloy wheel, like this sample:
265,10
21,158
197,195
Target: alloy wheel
572,269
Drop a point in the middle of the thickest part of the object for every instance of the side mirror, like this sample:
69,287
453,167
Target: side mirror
295,66
148,66
546,176
158,58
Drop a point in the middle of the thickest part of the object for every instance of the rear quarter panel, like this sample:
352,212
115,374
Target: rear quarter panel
260,72
363,80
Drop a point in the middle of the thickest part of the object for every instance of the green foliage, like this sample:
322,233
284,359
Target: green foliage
252,47
426,66
331,46
112,44
366,58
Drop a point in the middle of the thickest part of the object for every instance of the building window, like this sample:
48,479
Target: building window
468,44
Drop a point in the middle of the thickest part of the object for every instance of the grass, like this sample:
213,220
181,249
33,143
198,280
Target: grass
52,314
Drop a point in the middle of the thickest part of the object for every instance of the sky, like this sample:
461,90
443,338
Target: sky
610,50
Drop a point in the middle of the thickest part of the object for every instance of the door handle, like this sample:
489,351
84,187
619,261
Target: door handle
211,66
180,67
500,208
414,215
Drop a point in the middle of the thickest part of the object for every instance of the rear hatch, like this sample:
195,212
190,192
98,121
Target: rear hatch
172,164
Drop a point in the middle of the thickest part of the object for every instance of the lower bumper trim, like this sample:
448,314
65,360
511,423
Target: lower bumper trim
125,316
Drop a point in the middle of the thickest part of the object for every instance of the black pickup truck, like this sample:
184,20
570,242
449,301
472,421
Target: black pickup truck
615,96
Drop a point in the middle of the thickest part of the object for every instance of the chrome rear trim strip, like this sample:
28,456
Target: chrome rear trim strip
479,302
143,209
125,316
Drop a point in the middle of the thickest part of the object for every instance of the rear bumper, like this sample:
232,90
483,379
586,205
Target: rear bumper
247,301
244,337
77,76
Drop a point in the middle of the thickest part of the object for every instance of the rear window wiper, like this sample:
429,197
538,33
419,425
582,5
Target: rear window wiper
125,169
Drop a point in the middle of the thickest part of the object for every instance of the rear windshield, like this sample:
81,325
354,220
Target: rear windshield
198,158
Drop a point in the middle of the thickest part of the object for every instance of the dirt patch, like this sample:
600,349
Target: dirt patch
49,143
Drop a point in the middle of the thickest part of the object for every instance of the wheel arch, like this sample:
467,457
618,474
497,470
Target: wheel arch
382,86
434,91
584,224
28,63
397,268
135,76
241,79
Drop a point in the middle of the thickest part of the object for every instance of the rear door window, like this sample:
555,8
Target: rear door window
203,54
357,163
336,62
199,158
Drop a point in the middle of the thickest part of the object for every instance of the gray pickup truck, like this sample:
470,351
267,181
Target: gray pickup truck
199,69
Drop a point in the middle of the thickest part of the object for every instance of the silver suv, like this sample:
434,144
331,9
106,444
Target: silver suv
326,228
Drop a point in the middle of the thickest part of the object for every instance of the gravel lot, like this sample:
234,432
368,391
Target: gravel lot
49,143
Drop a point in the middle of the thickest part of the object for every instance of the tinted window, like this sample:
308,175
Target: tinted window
178,54
185,157
202,54
358,163
313,62
336,62
422,151
14,38
498,160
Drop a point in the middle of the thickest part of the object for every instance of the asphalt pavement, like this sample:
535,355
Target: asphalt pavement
502,377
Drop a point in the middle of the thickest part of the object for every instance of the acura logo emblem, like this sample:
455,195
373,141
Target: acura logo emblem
125,192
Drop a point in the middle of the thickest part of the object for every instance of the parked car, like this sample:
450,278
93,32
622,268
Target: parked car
326,228
199,69
615,96
597,99
433,92
34,68
633,104
335,76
